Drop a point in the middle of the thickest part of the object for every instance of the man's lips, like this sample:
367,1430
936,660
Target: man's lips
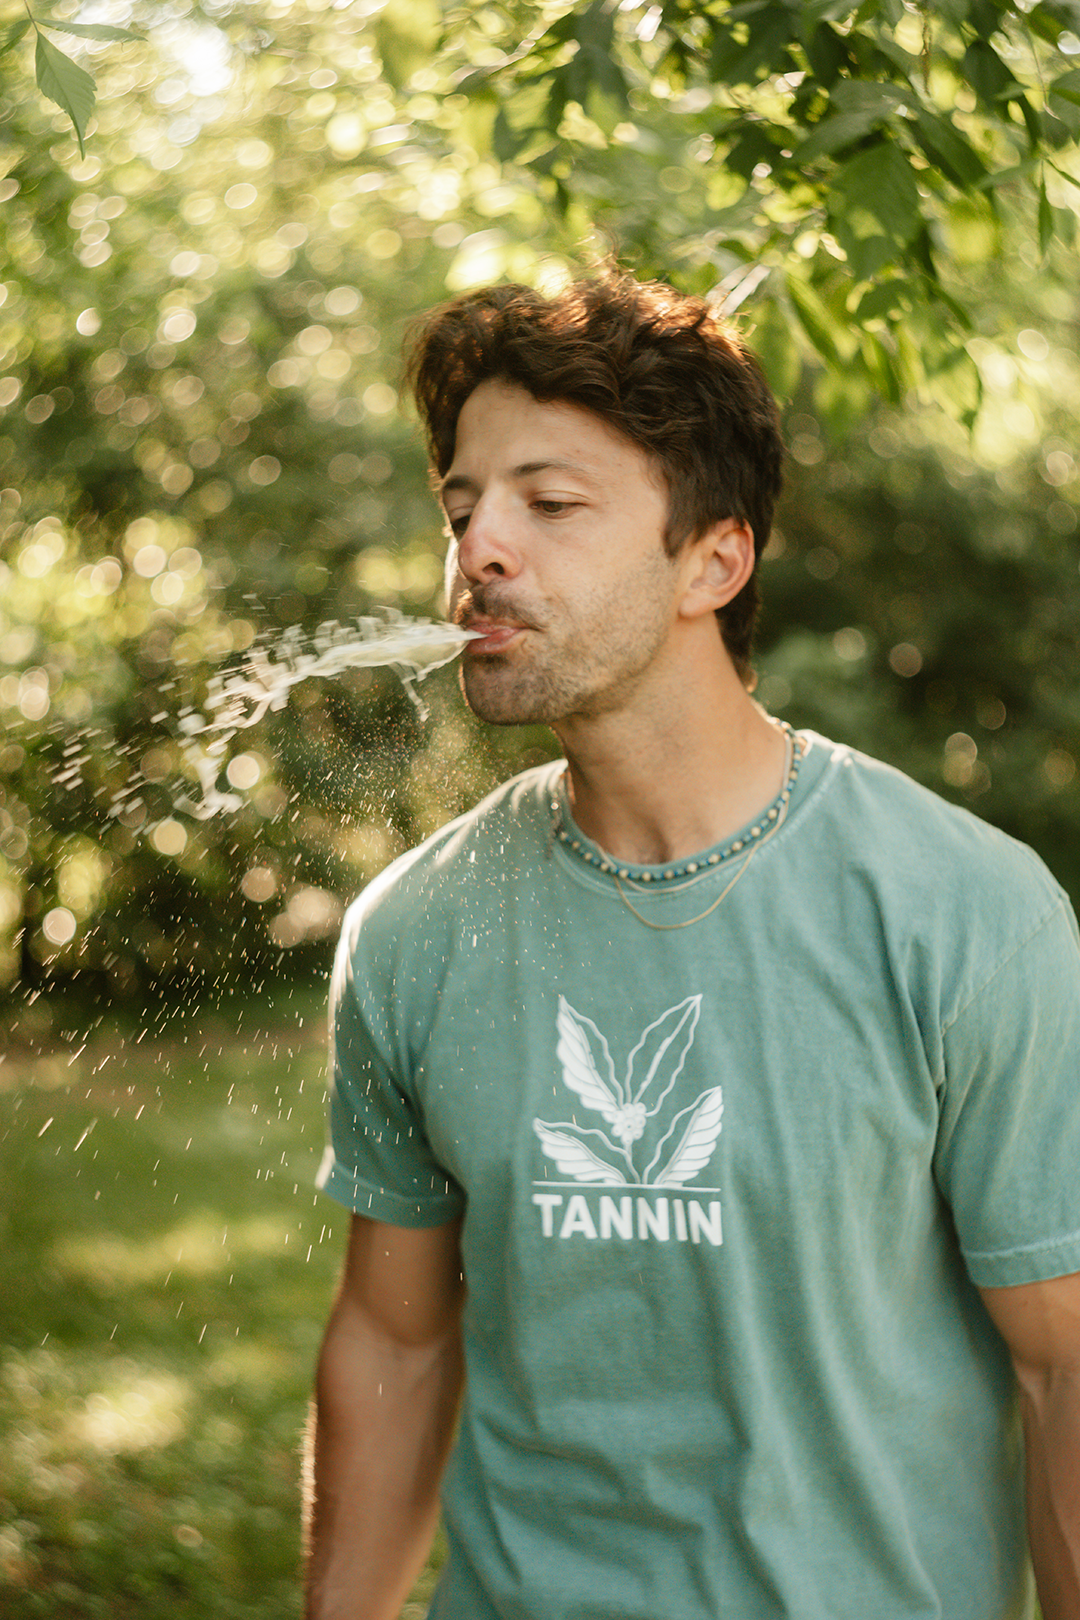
492,635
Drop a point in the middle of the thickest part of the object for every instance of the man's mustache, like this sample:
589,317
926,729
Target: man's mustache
485,602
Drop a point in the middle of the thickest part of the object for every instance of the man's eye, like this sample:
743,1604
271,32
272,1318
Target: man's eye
554,508
458,524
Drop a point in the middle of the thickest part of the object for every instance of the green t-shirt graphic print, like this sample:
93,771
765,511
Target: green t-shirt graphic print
632,1132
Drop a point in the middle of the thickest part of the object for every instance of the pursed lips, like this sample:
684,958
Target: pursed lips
492,634
495,624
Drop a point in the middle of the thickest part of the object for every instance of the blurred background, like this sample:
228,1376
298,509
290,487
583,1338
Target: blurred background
202,446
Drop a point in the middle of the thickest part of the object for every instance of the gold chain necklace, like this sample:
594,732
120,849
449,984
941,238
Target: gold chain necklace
790,771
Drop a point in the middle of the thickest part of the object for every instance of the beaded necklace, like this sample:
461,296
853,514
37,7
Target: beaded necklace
688,873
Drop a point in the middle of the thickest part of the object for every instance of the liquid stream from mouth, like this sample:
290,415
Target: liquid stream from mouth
239,699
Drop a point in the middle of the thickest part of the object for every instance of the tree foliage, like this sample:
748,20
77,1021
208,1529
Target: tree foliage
200,440
64,81
824,160
199,443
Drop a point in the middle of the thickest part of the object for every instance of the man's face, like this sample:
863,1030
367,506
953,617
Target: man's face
558,559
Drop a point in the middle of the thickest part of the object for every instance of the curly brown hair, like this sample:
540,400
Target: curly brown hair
660,367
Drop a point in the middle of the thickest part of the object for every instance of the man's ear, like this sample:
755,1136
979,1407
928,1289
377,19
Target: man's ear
719,563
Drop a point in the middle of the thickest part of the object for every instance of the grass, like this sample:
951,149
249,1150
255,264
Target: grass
165,1271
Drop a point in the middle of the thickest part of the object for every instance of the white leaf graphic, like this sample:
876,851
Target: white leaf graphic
580,1073
696,1143
573,1158
664,1046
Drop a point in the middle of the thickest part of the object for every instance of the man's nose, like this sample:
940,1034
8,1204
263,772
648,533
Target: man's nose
486,550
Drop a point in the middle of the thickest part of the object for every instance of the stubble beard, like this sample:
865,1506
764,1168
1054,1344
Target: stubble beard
503,695
582,669
495,685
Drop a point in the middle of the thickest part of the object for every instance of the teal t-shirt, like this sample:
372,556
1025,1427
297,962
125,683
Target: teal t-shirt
727,1192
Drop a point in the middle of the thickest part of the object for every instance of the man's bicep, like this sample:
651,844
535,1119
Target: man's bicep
405,1281
1040,1322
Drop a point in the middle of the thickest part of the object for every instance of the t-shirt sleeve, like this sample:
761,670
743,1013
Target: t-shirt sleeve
1008,1155
378,1162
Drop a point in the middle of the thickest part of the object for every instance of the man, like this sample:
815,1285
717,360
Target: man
707,1103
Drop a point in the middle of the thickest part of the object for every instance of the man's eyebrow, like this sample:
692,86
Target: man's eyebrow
525,469
528,467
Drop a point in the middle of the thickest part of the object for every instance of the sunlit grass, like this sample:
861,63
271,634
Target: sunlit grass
165,1271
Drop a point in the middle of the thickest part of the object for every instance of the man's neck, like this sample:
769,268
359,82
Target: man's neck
668,790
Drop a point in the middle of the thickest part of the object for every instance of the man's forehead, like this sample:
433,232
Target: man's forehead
505,429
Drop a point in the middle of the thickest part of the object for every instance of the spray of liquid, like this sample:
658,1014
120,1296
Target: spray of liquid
239,698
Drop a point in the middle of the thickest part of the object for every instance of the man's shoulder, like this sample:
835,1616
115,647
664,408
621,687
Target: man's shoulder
928,845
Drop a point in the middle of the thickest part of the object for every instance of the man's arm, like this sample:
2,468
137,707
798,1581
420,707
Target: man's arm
1040,1323
386,1397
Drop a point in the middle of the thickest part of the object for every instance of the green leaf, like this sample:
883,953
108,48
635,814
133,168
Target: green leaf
954,12
987,74
558,96
595,26
593,69
1050,20
874,209
506,141
1060,131
13,35
948,150
1063,174
1032,119
765,53
826,54
1046,220
751,148
831,135
877,12
958,386
884,59
880,362
986,19
909,352
86,30
830,338
996,178
921,254
880,183
860,109
475,80
750,11
872,100
885,298
961,315
1065,227
67,84
1067,86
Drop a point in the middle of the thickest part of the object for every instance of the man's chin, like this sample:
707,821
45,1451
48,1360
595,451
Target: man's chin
499,702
